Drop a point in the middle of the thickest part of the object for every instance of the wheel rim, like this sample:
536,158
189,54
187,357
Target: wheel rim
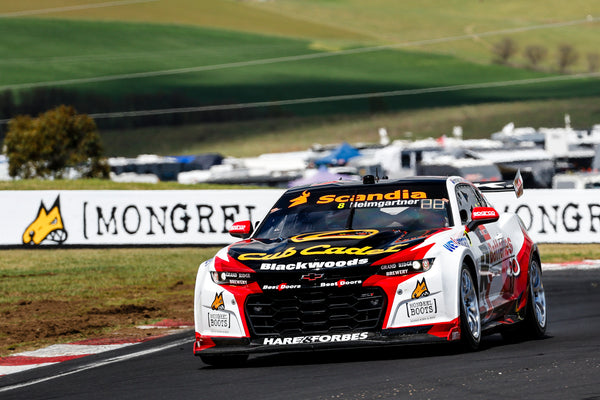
538,295
470,305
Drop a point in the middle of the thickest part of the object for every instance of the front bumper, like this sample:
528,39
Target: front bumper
438,333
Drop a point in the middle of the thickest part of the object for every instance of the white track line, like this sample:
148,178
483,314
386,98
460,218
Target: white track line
60,350
113,360
72,8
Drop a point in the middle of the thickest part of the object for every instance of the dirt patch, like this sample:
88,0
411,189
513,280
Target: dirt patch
32,324
125,309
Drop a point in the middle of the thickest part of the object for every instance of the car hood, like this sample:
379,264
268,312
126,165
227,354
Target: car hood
331,250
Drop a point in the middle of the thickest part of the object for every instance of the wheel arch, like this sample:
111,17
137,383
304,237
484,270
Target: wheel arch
535,255
470,263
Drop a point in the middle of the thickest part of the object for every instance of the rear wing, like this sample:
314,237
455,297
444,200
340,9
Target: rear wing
516,185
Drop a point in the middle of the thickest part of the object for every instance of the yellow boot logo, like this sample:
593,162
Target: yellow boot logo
48,225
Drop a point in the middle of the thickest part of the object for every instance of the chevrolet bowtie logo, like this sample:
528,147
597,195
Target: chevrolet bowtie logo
312,276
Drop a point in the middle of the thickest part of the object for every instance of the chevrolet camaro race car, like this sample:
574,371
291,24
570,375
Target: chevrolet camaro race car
382,262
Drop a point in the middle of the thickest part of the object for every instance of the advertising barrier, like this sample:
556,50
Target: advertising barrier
128,217
555,216
203,217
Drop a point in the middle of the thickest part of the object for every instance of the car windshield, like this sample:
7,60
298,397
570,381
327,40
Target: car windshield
357,209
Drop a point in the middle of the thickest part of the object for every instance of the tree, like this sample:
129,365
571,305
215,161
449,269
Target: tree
593,60
58,139
535,54
567,56
504,50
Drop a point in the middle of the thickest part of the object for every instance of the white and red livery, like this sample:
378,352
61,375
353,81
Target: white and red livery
383,262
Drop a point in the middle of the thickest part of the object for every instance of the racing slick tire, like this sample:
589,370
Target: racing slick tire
535,322
470,320
217,360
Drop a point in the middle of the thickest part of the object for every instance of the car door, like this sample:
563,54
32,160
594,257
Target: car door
495,252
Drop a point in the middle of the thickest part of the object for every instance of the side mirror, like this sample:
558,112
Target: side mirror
482,215
241,229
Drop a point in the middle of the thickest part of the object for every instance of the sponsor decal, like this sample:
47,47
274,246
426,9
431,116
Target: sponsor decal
345,337
341,283
266,256
321,249
483,234
399,272
219,320
218,303
346,234
235,278
404,264
421,290
462,240
48,225
238,282
312,276
400,194
316,265
327,249
515,268
302,199
450,245
485,213
454,243
396,269
495,251
381,204
280,287
421,309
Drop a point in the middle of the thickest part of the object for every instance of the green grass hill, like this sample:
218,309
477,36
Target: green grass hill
183,76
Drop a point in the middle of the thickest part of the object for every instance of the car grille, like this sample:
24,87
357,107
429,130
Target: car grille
315,311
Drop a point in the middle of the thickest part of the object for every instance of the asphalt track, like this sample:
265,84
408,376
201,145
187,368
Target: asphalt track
564,365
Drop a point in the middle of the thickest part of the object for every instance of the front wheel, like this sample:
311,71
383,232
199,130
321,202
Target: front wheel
536,306
470,320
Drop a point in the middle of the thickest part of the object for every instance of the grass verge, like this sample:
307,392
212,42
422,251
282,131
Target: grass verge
58,295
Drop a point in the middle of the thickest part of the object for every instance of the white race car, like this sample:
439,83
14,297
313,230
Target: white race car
382,262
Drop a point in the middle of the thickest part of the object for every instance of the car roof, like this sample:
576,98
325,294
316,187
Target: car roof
409,181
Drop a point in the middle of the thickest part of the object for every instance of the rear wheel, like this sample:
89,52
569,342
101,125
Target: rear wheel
470,320
217,360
